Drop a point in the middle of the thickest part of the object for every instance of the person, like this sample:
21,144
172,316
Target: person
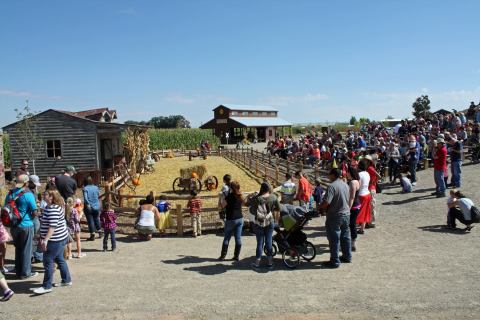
23,169
372,187
108,219
194,205
234,220
163,207
318,193
393,155
460,209
33,185
223,194
23,232
439,166
337,225
405,183
54,237
304,190
354,203
73,217
147,213
288,189
456,161
413,156
263,207
91,195
66,185
7,292
364,195
4,238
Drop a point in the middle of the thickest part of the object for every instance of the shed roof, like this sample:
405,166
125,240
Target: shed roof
261,121
247,107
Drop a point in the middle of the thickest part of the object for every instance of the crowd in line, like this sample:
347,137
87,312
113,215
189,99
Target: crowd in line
50,222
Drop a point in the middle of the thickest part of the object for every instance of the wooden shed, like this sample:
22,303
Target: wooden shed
88,140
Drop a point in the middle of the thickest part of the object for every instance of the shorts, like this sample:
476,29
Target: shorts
146,230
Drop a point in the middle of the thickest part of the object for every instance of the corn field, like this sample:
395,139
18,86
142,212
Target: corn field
180,138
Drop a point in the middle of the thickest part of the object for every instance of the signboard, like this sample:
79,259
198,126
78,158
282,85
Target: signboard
221,121
2,164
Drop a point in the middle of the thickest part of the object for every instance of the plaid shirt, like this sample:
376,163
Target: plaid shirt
108,219
194,205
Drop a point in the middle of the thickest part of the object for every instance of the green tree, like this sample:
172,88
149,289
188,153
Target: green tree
421,107
353,121
390,117
363,120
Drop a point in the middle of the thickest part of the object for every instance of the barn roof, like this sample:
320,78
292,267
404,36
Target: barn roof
239,107
261,121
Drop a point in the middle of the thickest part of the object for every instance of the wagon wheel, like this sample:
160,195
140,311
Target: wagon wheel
211,183
177,185
195,184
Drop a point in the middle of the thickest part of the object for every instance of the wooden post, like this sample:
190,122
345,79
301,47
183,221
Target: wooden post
426,164
276,175
256,167
120,198
288,166
179,220
251,151
190,156
245,160
108,196
263,157
301,165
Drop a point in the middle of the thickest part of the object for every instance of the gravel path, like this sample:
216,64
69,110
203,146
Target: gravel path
407,268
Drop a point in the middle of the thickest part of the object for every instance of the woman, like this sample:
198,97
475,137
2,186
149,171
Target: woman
232,205
393,155
91,195
354,202
460,209
364,216
263,206
147,214
54,237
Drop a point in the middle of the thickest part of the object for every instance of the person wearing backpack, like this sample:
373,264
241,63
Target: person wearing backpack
22,201
263,205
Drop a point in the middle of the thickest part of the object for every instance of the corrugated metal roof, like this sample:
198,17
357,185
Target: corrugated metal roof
261,121
248,108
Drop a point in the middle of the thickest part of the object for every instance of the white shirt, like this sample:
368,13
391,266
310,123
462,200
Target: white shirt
147,218
364,181
465,205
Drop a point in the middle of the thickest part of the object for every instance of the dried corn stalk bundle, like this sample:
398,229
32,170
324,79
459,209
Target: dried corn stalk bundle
136,149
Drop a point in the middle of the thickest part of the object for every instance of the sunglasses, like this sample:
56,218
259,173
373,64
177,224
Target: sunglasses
25,164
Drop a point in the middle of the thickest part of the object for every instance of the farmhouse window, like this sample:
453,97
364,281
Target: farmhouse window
264,113
54,148
255,113
245,113
234,113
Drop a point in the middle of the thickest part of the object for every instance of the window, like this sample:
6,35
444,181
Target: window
255,113
234,113
54,148
264,113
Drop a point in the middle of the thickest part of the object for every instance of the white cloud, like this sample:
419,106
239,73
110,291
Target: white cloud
283,101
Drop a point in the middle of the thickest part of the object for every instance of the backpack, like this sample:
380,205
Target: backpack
10,215
263,215
475,213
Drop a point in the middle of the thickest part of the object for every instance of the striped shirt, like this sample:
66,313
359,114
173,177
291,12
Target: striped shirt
54,217
194,205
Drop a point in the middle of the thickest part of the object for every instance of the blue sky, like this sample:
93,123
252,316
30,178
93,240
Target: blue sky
313,60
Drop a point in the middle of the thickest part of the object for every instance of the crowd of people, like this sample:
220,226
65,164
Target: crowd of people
48,223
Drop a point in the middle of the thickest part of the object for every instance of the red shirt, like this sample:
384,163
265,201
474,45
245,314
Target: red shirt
316,153
440,163
194,205
373,178
304,189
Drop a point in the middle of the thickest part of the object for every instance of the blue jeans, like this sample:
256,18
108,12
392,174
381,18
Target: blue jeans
264,236
23,241
93,219
439,181
113,239
412,168
233,227
456,167
338,235
54,254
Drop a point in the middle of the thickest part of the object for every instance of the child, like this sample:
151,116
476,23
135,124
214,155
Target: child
195,207
4,238
108,220
73,223
405,183
451,199
163,207
7,292
318,195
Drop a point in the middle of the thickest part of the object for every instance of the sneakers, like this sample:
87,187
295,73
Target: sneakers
32,275
62,284
256,264
79,256
42,290
7,295
4,270
345,260
330,265
92,237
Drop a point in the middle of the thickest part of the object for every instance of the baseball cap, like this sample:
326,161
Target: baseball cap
35,180
70,169
21,180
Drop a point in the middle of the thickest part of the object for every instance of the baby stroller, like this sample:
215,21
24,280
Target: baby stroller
291,241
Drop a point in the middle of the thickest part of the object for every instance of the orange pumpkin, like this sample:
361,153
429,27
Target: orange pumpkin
136,182
194,175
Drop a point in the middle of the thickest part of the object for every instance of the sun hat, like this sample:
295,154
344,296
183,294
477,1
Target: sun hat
21,180
35,180
440,140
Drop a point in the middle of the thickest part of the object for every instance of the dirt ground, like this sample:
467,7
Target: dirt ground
409,267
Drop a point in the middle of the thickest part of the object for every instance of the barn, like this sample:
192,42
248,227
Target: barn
89,140
241,121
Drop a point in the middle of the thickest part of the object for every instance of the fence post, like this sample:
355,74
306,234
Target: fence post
256,167
120,198
245,160
251,151
288,166
108,196
301,165
190,156
276,174
179,220
263,157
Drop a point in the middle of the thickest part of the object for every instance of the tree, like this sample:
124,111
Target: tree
161,122
421,107
390,117
27,138
353,121
364,120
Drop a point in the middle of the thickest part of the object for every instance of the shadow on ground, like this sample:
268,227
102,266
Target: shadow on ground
441,228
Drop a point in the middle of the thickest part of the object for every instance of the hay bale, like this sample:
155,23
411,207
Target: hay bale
200,170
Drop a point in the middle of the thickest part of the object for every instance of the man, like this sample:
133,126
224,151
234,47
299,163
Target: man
336,201
23,169
288,189
22,233
439,167
304,190
66,185
456,161
223,195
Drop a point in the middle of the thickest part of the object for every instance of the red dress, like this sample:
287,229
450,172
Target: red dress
365,214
